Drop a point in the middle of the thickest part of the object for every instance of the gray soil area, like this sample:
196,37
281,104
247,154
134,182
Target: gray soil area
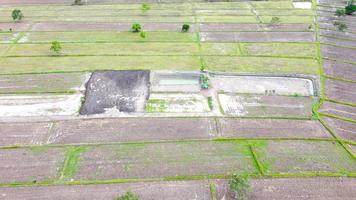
339,53
338,69
257,36
172,190
318,188
14,26
116,91
337,34
340,90
344,129
207,27
23,133
339,110
163,160
30,165
291,157
265,106
271,128
98,131
68,82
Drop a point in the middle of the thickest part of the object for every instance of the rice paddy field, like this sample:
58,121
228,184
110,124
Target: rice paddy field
279,107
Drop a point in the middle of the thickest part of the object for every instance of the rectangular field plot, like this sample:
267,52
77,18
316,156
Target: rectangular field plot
238,27
265,106
89,63
164,160
227,19
340,90
289,19
41,83
7,37
346,130
257,36
47,37
30,165
131,129
271,128
24,133
262,65
295,157
172,190
163,48
338,110
338,69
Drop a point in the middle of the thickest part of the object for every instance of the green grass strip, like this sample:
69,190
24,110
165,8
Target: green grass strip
337,117
71,162
340,102
213,192
257,163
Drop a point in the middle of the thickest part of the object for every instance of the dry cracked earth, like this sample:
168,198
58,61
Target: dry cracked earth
115,112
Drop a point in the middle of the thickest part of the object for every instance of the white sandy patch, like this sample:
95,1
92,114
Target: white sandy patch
263,85
24,38
302,5
85,78
39,105
231,106
182,103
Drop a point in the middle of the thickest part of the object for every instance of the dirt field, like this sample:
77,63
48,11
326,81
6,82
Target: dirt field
339,110
346,130
340,91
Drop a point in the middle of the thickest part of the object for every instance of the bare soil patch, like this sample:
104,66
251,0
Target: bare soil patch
164,159
172,190
265,106
340,90
339,53
28,165
116,91
257,36
271,128
131,129
338,69
329,188
206,27
23,133
339,110
346,130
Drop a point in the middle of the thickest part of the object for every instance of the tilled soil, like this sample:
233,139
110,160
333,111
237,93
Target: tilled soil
346,130
339,110
173,190
271,128
257,36
206,27
319,188
338,69
340,90
30,165
116,91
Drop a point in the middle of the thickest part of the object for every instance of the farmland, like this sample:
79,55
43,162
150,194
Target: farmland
91,108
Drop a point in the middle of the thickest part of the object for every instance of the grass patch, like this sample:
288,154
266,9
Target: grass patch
156,105
71,162
213,191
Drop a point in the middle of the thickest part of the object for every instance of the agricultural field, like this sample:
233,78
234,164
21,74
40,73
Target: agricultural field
173,99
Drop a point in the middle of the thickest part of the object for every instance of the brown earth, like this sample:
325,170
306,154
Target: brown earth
346,130
339,110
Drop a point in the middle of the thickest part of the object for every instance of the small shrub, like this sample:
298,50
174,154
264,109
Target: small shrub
56,47
136,27
143,34
275,20
77,3
210,103
350,8
145,7
204,81
240,185
340,12
128,196
185,28
17,15
342,27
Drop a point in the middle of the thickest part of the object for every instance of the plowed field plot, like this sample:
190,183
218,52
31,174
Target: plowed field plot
271,128
298,157
212,27
30,165
173,190
257,37
42,83
340,91
285,188
24,133
265,106
338,41
339,53
338,69
164,160
346,130
121,130
339,110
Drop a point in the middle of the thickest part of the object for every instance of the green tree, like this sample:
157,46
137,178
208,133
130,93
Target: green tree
240,185
185,28
128,196
56,47
17,15
136,27
350,8
340,12
143,34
